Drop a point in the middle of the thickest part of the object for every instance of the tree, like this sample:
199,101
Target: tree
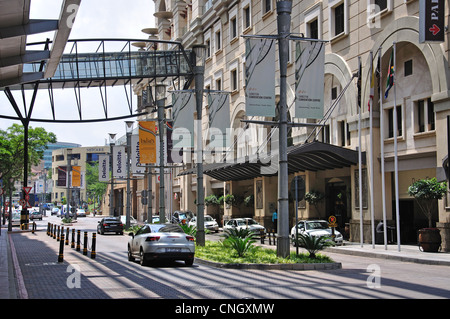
94,187
426,192
313,198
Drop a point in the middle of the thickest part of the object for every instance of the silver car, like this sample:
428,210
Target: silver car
161,242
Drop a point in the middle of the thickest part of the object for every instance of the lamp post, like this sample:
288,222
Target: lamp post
284,9
129,130
199,71
160,101
69,180
112,142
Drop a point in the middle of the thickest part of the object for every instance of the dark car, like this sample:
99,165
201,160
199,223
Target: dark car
110,224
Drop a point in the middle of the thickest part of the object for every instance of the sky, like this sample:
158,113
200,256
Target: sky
94,19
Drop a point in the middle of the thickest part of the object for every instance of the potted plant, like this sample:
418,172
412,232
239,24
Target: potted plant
426,192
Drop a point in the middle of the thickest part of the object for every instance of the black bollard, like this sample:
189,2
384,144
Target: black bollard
54,231
72,244
85,243
61,250
93,252
78,240
67,236
48,229
58,233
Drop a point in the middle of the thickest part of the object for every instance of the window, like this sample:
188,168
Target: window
233,24
218,80
313,29
218,41
266,6
408,67
219,84
208,48
425,121
338,22
217,37
325,134
234,76
391,121
246,17
334,93
313,22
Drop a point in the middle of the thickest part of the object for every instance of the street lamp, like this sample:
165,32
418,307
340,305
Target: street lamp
129,130
284,9
199,71
160,102
112,142
69,180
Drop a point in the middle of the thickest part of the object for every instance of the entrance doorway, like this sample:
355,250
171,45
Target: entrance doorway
336,203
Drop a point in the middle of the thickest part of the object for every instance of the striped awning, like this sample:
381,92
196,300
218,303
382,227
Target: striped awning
314,156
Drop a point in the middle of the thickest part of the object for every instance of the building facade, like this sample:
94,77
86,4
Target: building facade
353,30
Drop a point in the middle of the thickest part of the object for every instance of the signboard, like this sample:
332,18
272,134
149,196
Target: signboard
27,191
119,162
259,84
309,79
183,108
431,21
147,142
103,167
76,176
62,176
332,221
136,167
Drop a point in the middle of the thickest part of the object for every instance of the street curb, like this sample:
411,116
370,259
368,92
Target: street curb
299,266
22,290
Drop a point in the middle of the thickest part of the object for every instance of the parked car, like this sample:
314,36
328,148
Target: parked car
181,217
55,211
81,212
210,223
35,215
161,242
133,221
239,223
110,224
316,228
15,219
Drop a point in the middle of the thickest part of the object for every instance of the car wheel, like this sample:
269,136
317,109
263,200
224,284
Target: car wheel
130,255
189,262
142,260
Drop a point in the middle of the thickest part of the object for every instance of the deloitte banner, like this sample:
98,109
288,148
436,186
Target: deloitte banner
103,167
309,79
136,167
259,77
119,162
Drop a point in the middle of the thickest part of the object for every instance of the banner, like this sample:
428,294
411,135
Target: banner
103,167
309,79
431,21
76,176
147,142
136,167
183,109
119,162
219,119
259,79
62,176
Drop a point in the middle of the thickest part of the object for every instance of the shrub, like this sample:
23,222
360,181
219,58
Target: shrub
240,240
313,244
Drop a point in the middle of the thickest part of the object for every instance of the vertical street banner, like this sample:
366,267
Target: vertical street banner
76,176
119,162
136,167
103,167
219,118
309,79
62,176
431,21
259,77
147,142
183,109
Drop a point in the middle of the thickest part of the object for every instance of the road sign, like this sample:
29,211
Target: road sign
332,221
27,189
26,203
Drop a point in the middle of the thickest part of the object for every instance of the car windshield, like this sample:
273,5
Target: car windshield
316,225
208,219
166,228
16,216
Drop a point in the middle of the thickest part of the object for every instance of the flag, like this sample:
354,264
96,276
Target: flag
390,76
372,83
358,84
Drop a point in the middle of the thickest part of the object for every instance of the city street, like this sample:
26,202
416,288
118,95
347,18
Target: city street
111,275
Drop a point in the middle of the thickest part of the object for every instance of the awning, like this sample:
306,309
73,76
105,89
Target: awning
313,156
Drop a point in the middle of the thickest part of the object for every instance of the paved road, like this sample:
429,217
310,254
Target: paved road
111,275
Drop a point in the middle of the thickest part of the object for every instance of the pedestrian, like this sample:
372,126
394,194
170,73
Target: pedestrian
275,219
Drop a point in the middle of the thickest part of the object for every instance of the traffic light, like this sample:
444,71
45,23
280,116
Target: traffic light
144,197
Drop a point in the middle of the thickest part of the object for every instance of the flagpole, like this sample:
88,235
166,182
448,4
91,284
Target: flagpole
371,149
361,228
397,212
383,183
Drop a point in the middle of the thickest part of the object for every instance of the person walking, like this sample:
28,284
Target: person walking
275,219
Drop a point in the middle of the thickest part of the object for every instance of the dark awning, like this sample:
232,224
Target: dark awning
313,156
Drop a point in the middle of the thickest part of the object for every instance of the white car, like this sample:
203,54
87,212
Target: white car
133,221
210,223
316,228
240,223
161,242
81,212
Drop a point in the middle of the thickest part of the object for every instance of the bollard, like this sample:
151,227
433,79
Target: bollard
85,243
48,229
54,231
51,230
78,240
261,236
61,250
58,232
67,236
72,244
33,227
94,239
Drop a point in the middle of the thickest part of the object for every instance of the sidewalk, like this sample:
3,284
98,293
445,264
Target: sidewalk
39,249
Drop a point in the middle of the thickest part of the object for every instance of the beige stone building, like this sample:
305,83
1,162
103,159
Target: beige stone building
352,30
